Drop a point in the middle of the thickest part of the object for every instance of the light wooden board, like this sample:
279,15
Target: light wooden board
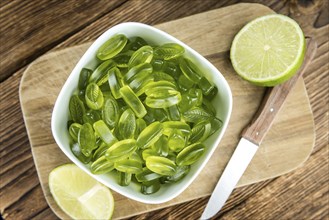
287,145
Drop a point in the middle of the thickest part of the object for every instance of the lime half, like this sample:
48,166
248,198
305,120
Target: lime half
268,50
79,195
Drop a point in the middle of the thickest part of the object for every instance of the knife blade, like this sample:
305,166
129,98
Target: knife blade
244,152
253,135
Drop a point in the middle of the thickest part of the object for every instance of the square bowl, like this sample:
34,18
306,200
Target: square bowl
222,102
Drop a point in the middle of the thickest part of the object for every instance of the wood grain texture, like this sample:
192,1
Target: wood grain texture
36,34
140,11
15,144
283,149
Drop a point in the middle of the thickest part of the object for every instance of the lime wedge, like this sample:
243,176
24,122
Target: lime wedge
79,195
268,50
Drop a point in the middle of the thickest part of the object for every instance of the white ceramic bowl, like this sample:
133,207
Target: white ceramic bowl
222,103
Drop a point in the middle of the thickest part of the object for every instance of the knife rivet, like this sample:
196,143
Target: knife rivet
271,109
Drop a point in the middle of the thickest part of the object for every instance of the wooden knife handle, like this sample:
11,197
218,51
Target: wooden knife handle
274,99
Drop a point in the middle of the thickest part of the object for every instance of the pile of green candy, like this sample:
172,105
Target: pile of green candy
144,112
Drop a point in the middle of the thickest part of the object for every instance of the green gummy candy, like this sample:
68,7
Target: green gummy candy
121,150
77,109
159,86
100,74
150,187
87,139
212,94
112,47
141,71
122,59
140,126
149,135
195,95
114,82
133,101
169,126
149,152
128,166
139,82
136,156
91,116
160,114
157,64
94,96
216,124
161,146
100,151
127,124
177,141
208,106
161,76
172,69
169,51
174,113
192,98
124,178
196,115
149,117
200,132
161,165
181,172
74,131
147,175
136,43
190,154
101,165
142,55
104,132
110,112
75,148
163,99
190,70
83,78
205,86
184,83
169,68
171,156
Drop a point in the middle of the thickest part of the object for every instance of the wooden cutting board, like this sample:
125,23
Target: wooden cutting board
287,145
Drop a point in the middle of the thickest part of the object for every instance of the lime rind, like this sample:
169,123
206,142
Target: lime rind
289,71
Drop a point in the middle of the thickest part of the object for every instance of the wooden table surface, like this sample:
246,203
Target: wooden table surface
30,29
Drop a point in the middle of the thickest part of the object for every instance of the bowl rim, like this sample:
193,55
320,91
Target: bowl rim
82,62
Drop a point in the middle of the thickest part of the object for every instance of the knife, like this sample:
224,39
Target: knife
252,136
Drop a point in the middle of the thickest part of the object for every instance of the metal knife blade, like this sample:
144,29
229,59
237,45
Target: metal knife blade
253,135
238,163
